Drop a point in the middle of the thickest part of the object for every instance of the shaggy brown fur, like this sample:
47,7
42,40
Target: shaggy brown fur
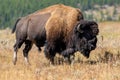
59,28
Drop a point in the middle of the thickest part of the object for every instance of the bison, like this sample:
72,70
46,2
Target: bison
51,27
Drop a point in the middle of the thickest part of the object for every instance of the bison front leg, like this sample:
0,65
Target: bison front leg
28,46
67,54
50,52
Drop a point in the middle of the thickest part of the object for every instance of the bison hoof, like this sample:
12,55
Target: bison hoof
14,61
27,61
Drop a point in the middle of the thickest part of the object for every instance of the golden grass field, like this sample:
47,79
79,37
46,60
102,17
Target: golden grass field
103,64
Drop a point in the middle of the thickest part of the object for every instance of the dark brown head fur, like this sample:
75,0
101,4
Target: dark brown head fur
83,38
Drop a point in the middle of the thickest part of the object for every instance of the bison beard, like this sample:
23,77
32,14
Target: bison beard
83,45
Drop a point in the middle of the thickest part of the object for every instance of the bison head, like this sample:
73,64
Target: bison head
86,32
87,28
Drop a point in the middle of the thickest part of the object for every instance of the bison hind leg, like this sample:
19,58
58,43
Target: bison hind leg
17,45
28,46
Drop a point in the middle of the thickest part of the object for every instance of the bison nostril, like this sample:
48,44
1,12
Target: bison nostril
96,32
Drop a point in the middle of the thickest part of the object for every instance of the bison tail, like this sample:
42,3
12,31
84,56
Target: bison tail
14,28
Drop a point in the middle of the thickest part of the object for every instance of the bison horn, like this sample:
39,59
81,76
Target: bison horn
79,28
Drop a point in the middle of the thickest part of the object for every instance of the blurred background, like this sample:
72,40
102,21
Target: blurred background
104,61
98,10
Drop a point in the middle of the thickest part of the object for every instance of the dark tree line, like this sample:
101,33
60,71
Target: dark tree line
10,10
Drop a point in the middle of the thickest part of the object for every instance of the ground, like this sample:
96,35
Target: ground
103,64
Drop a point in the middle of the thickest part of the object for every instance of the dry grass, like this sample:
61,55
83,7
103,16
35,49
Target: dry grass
103,64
